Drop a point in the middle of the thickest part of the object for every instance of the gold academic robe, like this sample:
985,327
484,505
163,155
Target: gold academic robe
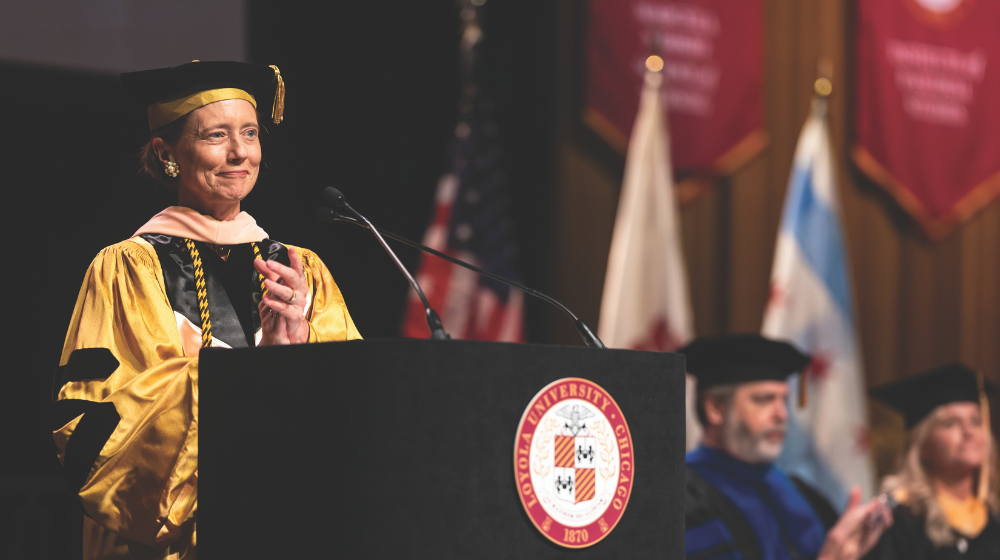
137,384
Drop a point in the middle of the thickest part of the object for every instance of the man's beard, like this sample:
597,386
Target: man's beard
740,442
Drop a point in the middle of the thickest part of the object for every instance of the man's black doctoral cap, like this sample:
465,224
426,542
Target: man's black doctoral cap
917,396
170,93
741,358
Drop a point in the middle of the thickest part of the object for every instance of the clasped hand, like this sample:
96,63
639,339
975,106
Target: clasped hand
283,307
858,530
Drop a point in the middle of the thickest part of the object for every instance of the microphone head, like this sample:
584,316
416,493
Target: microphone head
325,214
334,196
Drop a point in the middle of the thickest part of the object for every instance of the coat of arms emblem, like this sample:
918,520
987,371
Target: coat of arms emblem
573,456
573,462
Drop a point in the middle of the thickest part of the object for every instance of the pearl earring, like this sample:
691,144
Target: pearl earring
170,168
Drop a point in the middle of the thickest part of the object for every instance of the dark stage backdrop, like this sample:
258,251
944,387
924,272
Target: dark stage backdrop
371,105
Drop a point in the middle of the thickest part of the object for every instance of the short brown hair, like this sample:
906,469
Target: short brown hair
150,161
722,392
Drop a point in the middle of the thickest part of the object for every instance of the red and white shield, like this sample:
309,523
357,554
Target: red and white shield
573,462
574,468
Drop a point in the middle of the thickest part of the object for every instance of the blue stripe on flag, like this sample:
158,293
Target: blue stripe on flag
800,457
817,229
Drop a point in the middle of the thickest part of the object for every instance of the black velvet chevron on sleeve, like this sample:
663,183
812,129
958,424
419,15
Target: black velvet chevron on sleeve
98,423
705,504
827,515
83,364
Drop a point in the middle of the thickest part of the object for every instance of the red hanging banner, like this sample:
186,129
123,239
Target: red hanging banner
712,52
928,119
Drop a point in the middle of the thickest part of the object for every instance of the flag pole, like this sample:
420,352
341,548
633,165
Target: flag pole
822,88
983,489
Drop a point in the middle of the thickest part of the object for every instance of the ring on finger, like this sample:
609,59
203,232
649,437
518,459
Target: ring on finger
291,299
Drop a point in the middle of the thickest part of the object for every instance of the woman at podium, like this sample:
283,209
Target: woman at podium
199,274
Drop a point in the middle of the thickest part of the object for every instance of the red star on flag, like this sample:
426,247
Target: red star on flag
819,367
862,439
775,295
660,339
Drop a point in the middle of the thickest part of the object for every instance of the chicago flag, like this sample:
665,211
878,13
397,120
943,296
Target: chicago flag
645,305
811,306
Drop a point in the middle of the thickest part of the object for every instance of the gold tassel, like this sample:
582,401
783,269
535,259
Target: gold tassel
984,470
278,112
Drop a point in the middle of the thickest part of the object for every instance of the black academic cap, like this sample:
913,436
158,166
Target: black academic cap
917,396
170,93
741,358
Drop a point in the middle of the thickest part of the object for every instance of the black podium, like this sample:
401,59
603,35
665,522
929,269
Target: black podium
405,449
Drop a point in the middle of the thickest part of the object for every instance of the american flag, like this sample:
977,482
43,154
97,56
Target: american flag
471,223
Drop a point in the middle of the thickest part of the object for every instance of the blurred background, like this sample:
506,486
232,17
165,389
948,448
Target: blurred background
374,100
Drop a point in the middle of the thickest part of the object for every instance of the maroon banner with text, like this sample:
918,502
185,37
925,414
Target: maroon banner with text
928,105
712,52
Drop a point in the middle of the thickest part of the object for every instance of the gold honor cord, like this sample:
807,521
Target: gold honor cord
199,284
256,255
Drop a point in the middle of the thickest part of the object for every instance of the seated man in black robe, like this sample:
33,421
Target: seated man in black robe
739,506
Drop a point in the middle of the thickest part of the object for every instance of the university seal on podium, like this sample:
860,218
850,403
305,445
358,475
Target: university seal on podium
573,461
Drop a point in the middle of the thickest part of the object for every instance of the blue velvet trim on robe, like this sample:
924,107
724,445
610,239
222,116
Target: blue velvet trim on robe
710,541
767,498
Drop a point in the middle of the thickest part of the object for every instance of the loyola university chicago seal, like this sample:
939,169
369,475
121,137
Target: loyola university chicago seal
573,462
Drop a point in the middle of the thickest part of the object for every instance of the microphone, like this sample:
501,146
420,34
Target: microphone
335,197
589,338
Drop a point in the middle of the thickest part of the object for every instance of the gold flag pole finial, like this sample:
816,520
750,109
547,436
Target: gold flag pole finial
823,86
654,63
984,471
278,111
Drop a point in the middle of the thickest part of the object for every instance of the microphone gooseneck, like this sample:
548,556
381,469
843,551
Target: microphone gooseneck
336,198
328,215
